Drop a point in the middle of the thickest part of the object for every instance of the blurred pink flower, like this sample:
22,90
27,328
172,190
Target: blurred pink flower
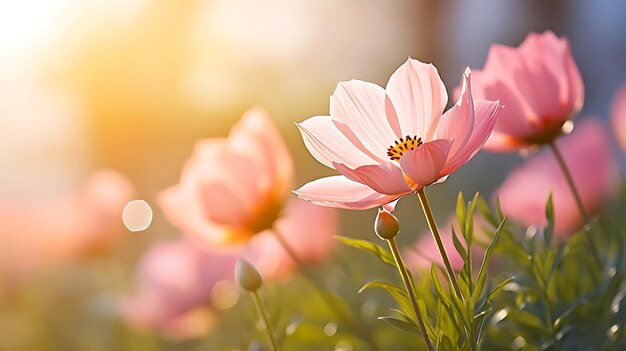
390,142
618,116
232,194
587,152
424,251
231,189
35,234
539,85
175,281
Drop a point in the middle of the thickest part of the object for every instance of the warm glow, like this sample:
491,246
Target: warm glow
224,295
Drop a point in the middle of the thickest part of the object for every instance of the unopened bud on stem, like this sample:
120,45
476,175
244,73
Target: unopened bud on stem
386,225
247,277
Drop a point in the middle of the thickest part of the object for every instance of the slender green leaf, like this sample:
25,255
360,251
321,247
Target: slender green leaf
459,247
460,210
370,247
482,273
397,293
549,230
401,324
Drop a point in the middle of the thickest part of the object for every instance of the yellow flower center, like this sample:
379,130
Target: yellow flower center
403,145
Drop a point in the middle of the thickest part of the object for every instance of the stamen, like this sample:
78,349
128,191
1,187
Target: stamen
405,144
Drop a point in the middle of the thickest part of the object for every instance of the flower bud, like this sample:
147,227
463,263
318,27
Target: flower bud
247,277
386,225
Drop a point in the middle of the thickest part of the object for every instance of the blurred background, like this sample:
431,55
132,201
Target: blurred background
130,85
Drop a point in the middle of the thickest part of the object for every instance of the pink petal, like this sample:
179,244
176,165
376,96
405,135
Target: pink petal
340,192
458,122
575,85
392,117
419,97
257,136
223,205
423,165
618,116
386,178
485,117
361,106
539,85
328,145
181,206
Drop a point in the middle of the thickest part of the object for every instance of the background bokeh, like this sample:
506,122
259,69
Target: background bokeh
132,84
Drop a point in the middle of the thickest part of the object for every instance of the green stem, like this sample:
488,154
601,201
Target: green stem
409,289
581,209
323,292
266,320
442,250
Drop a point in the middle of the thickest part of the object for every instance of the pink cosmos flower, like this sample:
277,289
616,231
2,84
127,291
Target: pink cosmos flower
394,141
232,195
175,289
424,251
587,152
618,116
36,234
539,85
231,189
178,281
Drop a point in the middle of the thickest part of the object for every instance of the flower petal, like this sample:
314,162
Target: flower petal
386,178
328,145
423,165
458,122
419,97
485,117
257,136
341,192
361,106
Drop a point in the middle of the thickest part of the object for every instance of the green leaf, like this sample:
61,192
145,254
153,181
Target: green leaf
444,343
549,230
370,247
485,211
482,273
469,220
460,210
401,324
397,293
493,293
459,247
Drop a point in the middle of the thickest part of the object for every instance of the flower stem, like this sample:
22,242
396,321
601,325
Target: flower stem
329,299
409,289
266,320
442,250
581,209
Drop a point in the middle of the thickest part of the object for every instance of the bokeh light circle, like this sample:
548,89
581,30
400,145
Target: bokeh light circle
137,215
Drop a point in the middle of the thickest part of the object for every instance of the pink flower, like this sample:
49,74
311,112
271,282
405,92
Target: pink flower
232,194
424,251
587,152
539,85
38,234
177,283
618,116
231,189
390,142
